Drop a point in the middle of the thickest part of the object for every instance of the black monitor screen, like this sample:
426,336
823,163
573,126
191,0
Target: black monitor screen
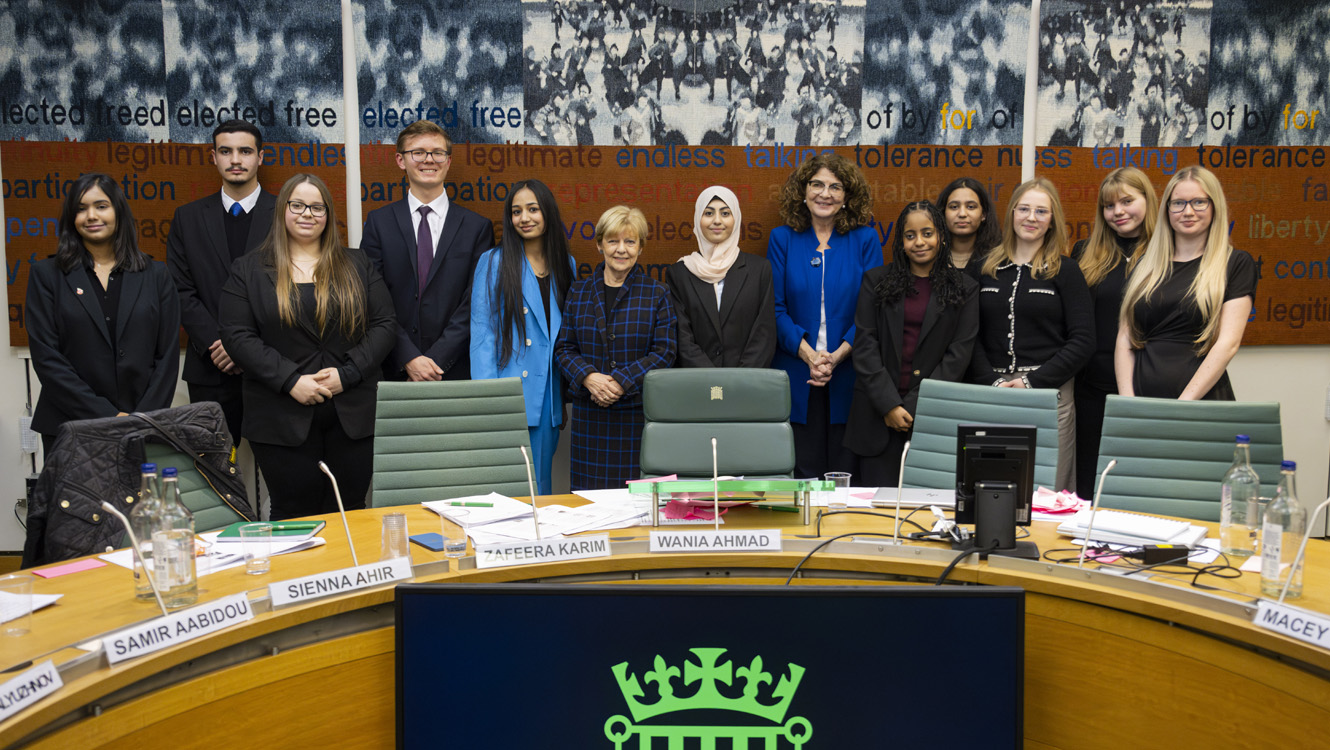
580,667
995,453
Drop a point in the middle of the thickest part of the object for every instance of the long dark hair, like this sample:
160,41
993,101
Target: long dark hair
512,255
989,234
897,282
70,252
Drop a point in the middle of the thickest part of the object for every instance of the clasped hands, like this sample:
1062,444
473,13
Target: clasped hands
604,389
820,365
318,387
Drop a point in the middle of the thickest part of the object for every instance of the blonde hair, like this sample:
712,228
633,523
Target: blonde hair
339,292
620,220
1156,262
1101,253
1048,259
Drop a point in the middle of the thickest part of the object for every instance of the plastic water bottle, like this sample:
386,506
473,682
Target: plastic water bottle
1239,506
173,546
143,519
1281,534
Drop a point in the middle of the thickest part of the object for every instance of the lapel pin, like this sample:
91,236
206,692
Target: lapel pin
78,290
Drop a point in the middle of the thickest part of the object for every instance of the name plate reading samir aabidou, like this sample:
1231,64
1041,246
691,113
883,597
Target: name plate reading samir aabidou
178,627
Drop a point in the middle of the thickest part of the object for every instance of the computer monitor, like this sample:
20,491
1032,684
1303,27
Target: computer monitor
602,666
989,457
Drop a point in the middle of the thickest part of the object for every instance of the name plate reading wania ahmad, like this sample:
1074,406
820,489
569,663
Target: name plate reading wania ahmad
178,627
340,581
542,551
716,540
28,688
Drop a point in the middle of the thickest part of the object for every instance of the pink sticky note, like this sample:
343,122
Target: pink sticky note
77,566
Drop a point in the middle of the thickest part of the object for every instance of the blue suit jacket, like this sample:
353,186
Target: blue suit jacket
531,360
799,288
437,323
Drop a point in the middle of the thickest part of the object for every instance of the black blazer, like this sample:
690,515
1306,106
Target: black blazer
80,371
438,326
200,261
946,341
742,332
275,355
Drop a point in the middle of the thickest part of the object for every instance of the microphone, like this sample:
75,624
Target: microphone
715,486
337,492
531,487
1094,508
1302,549
900,487
133,539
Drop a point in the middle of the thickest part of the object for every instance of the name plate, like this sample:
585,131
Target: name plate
543,551
178,627
28,688
339,581
1293,622
716,540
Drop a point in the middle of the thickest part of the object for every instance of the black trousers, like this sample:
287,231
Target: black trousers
296,485
1089,428
884,469
228,396
819,445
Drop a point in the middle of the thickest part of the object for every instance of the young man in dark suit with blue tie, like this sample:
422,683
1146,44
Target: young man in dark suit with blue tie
205,237
426,247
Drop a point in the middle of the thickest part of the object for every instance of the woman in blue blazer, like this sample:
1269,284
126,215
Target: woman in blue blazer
817,263
103,317
516,302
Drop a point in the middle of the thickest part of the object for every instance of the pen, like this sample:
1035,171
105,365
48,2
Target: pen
469,505
781,508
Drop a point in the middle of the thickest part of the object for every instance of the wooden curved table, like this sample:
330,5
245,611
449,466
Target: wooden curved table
1110,660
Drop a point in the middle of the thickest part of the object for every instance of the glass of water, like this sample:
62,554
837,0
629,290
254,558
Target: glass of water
839,497
454,532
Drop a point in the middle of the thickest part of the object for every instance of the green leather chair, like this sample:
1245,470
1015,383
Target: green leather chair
1172,455
210,512
746,410
931,462
434,441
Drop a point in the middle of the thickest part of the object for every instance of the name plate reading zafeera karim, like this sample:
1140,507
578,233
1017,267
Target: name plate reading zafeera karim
28,688
1294,622
716,540
340,581
178,627
542,551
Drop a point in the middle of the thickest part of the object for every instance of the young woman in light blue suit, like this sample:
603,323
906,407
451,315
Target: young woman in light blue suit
817,264
516,301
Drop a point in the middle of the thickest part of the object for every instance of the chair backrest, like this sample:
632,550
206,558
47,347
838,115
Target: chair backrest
434,441
746,410
1172,455
942,406
210,513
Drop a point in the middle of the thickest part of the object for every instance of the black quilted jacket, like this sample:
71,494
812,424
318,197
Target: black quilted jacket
99,459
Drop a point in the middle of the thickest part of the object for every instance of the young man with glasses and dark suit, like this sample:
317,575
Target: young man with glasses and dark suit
426,248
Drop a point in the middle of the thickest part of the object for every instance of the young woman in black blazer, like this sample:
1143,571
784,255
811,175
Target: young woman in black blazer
309,321
103,317
916,318
722,296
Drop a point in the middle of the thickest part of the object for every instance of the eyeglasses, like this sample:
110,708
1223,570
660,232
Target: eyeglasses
1039,213
1197,204
419,155
299,207
818,186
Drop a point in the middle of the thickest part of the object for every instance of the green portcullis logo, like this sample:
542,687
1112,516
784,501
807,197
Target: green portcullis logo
707,672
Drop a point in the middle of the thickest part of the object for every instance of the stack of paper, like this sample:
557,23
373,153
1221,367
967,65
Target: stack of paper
500,508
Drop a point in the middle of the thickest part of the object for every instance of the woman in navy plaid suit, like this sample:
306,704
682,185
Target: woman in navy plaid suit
618,325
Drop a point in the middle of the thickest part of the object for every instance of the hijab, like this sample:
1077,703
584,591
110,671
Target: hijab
711,262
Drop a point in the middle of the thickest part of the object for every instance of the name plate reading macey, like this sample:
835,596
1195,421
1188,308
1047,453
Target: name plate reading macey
542,551
177,627
28,688
1294,622
716,540
339,581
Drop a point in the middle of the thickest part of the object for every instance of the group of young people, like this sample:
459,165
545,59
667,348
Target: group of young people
290,330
